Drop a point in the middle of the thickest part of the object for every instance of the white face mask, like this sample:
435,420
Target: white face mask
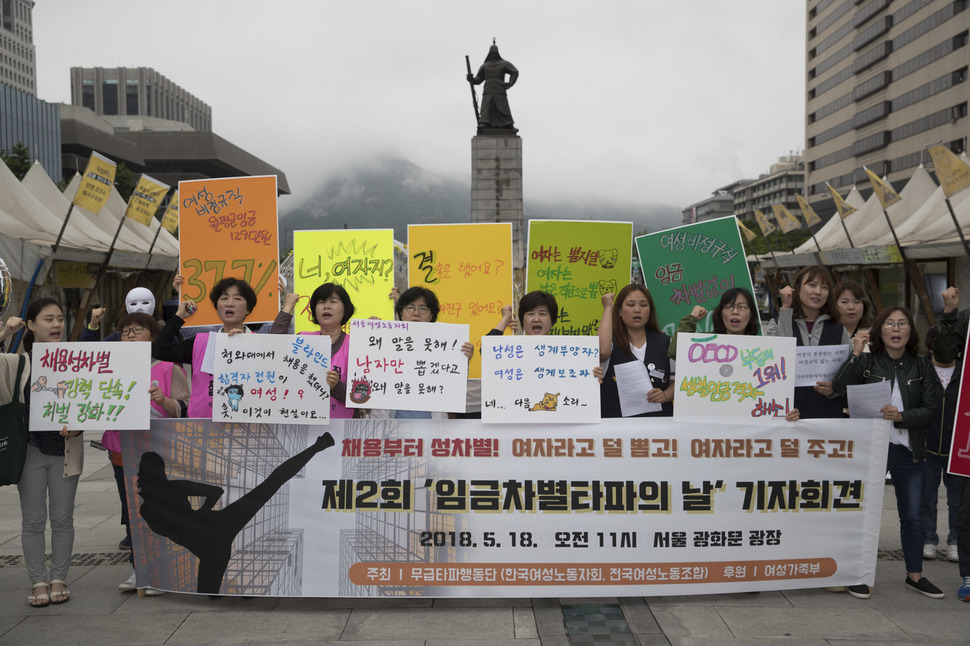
142,300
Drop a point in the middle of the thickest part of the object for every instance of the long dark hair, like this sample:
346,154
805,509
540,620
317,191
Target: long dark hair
730,297
33,311
876,346
620,334
807,275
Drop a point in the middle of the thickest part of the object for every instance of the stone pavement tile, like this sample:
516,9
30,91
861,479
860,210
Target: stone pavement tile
750,623
100,630
786,641
653,639
638,615
472,602
934,626
524,623
771,598
270,627
475,642
12,616
549,618
351,603
433,623
586,601
691,621
194,603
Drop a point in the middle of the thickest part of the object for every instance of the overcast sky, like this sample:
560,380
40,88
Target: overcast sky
643,101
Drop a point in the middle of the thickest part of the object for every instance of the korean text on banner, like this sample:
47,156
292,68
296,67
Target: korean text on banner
577,262
90,386
170,221
271,378
731,375
469,268
819,363
960,444
228,229
145,200
399,365
360,260
692,265
455,508
96,184
540,379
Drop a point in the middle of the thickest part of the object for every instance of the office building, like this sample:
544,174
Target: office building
718,205
783,181
17,65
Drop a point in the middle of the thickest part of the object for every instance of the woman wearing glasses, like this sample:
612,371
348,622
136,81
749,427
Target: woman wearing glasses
893,357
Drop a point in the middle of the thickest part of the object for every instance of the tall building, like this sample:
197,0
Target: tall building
17,67
885,79
783,181
137,92
720,204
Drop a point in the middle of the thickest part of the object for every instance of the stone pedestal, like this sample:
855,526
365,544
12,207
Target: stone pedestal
497,186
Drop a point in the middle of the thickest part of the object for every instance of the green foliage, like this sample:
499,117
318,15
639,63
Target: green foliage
124,181
17,160
777,240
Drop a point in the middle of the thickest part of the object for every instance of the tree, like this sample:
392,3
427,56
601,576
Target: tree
17,159
124,181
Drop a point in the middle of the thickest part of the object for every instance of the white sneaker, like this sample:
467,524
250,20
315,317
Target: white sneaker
929,552
128,585
952,553
152,592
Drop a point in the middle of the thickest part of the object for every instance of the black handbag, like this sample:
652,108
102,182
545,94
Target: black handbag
13,433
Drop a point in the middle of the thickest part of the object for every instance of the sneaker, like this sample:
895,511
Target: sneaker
152,592
128,585
860,591
125,543
963,594
929,552
952,554
924,587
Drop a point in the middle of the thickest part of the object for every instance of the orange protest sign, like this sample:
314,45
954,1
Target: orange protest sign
227,228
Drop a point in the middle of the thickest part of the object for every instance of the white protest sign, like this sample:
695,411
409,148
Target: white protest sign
90,386
271,378
729,375
819,363
540,379
401,365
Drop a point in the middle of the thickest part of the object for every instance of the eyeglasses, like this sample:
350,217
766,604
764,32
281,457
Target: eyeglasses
417,309
737,307
135,330
894,325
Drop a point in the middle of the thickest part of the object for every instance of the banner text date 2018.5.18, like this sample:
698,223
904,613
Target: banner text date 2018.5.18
526,539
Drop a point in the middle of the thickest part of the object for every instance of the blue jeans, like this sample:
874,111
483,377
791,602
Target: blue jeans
908,483
935,468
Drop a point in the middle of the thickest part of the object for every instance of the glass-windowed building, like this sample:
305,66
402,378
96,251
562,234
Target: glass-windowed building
25,119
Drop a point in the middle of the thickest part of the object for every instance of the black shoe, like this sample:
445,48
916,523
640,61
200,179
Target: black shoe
860,591
925,588
125,543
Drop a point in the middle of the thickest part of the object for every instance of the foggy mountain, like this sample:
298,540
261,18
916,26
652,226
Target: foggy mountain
391,193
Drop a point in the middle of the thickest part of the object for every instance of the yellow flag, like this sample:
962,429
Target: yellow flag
953,172
95,186
785,219
884,192
845,210
767,227
171,218
811,217
145,199
748,233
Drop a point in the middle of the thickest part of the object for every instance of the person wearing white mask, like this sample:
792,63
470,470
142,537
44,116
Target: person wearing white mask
140,299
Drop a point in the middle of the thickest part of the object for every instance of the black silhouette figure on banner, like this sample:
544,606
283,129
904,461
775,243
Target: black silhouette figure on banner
206,532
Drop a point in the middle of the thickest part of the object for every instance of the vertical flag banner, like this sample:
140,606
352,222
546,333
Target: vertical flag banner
96,184
145,199
692,265
845,210
767,228
360,260
228,228
785,219
887,196
748,233
469,268
953,172
811,217
577,262
170,221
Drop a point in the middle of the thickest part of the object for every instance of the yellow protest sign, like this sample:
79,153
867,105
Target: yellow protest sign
469,268
73,275
95,186
953,172
361,260
170,221
145,199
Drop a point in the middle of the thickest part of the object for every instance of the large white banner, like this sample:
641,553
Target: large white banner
90,386
540,379
455,508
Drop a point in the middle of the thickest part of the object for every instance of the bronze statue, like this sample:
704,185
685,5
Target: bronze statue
495,113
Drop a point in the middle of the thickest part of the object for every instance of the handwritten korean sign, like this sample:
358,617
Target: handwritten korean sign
469,268
397,365
361,260
728,375
577,262
540,379
819,363
227,227
90,386
692,265
271,379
